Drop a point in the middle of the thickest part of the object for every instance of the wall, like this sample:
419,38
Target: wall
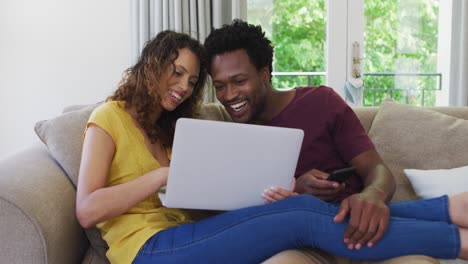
55,53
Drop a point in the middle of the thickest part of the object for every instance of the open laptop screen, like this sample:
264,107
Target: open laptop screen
224,166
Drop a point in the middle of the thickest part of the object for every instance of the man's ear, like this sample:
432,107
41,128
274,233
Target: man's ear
265,74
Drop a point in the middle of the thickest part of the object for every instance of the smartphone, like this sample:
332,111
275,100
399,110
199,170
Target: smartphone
341,175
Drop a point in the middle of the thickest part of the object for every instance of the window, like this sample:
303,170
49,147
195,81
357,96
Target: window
296,28
400,39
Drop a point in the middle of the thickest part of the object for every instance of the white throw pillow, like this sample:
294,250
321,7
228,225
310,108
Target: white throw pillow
434,183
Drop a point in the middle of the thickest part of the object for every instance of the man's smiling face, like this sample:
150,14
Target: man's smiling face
240,87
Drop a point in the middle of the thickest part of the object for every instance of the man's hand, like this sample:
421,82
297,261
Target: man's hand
315,182
369,216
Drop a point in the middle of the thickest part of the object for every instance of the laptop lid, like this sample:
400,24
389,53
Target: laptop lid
224,166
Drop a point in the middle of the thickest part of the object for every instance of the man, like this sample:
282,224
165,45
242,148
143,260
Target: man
240,64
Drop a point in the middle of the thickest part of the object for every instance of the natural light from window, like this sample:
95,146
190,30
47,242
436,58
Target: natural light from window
400,46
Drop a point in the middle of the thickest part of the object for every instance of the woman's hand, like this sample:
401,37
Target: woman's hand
275,194
161,174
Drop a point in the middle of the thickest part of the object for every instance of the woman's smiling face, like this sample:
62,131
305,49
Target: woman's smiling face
179,80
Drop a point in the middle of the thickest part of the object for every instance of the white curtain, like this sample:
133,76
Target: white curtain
149,17
194,17
224,11
459,54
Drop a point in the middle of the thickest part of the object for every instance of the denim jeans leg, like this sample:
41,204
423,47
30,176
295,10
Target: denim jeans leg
251,235
434,209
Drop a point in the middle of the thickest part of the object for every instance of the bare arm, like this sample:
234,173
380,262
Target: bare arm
96,203
375,174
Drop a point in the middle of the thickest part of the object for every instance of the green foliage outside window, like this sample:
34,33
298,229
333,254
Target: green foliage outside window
299,37
400,36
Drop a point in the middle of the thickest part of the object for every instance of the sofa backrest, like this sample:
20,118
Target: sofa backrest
367,114
409,137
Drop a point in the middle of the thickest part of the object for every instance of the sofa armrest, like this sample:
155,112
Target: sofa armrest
37,211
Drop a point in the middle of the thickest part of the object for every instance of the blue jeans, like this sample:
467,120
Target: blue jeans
253,234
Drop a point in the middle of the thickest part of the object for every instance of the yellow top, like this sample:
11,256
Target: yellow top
126,234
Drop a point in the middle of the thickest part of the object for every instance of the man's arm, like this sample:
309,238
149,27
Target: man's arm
369,214
375,174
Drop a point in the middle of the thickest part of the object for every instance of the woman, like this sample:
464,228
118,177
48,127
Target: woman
125,162
127,142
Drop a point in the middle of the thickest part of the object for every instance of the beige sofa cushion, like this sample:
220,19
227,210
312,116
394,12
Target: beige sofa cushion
409,137
63,137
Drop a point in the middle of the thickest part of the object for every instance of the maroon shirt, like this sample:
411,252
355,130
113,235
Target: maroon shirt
333,134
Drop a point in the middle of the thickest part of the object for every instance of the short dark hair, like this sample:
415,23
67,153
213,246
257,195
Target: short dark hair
240,35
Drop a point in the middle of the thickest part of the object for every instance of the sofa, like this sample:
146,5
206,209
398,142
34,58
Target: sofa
38,184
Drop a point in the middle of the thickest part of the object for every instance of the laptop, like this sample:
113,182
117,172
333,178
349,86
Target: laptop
225,166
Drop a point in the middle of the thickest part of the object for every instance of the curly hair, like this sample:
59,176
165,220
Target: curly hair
241,35
140,82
